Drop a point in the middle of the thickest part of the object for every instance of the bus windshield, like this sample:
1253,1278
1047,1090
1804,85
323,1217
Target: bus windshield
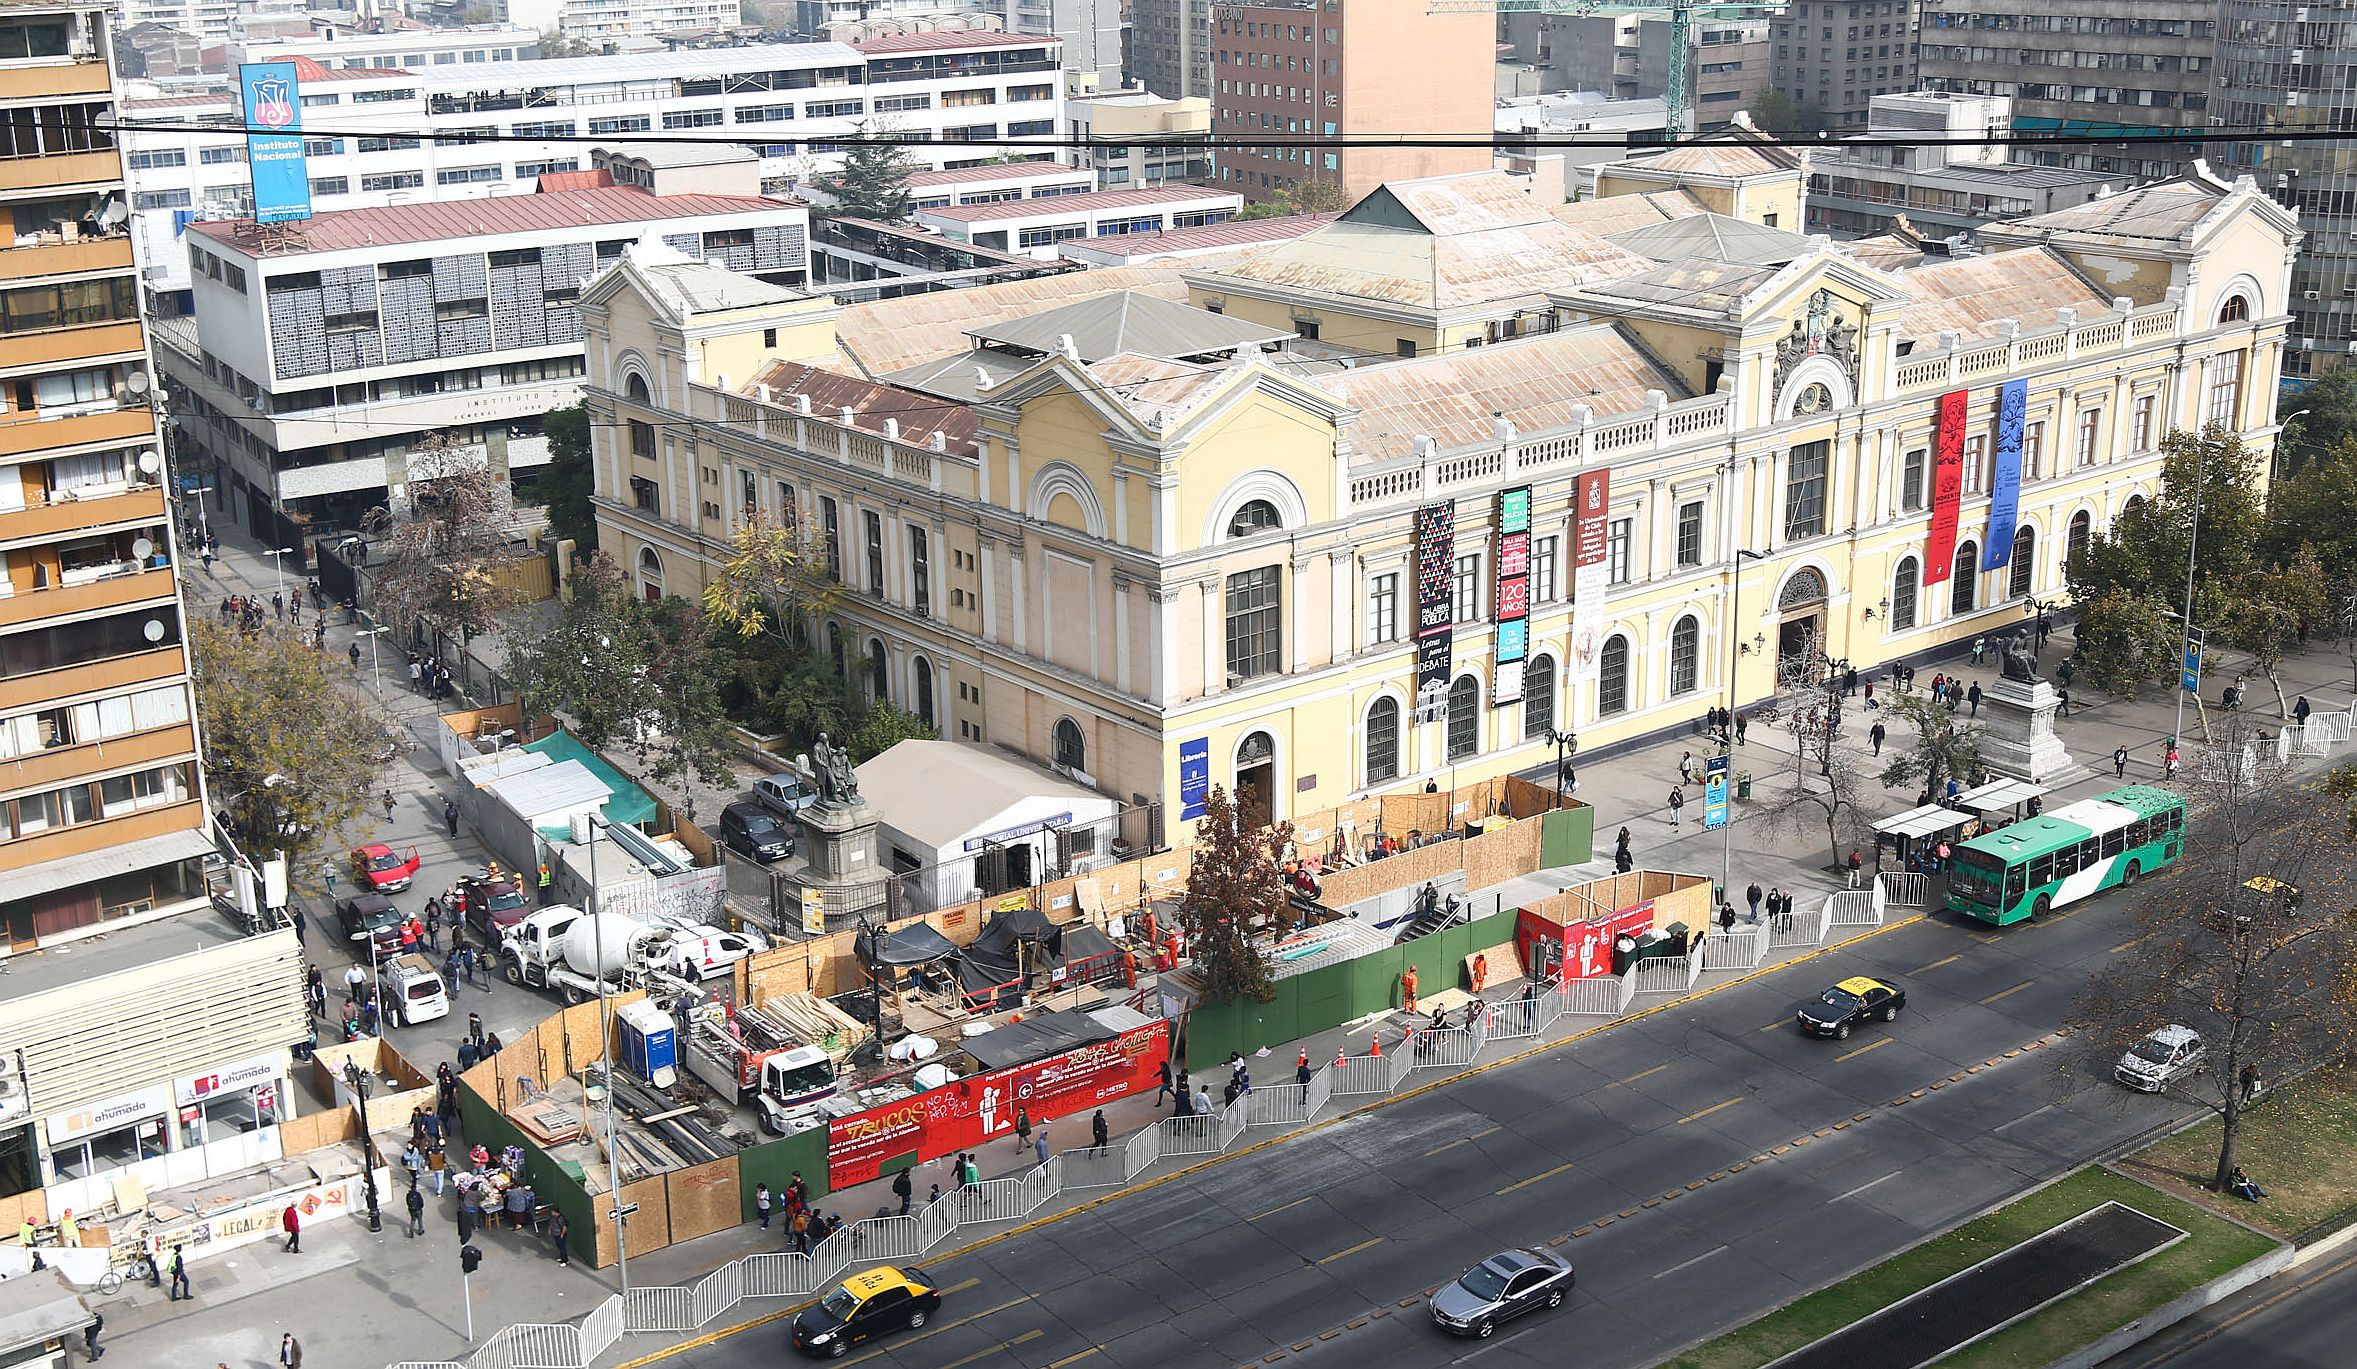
1976,876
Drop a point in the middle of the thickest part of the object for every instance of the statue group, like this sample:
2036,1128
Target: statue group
838,784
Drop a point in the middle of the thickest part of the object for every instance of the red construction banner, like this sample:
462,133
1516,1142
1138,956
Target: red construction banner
1947,489
963,1114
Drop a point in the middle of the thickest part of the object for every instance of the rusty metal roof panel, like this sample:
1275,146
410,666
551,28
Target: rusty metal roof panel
1536,383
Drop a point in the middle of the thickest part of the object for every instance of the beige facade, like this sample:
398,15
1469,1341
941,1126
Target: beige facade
1205,541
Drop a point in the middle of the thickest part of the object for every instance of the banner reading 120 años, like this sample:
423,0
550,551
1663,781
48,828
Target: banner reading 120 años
1947,489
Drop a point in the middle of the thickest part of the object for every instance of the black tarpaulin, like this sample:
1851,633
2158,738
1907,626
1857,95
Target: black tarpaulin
1035,1038
917,944
1017,942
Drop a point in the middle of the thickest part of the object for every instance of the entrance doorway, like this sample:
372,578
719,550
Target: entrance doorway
1256,781
1000,868
1800,635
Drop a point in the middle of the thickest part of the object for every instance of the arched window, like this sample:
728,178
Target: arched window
1538,698
1903,594
650,573
1685,655
2025,560
1256,516
1612,676
835,650
1964,582
1804,588
924,674
634,388
2237,309
2134,506
2082,532
876,668
1071,746
1382,741
1464,717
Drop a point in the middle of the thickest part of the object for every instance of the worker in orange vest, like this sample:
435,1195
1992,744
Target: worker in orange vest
1407,988
1480,971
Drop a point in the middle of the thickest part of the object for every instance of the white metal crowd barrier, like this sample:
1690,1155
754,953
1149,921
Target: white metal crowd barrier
1906,888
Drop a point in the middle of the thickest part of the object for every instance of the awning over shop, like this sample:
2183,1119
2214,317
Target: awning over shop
1997,795
630,804
144,854
1922,822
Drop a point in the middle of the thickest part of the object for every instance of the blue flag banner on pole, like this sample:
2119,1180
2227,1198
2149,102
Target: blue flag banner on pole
1714,794
1194,777
272,111
2005,490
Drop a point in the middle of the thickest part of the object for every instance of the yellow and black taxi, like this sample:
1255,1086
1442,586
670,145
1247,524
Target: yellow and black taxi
863,1307
1833,1012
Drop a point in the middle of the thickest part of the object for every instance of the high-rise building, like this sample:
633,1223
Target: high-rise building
1834,56
1170,46
1091,30
101,817
1288,74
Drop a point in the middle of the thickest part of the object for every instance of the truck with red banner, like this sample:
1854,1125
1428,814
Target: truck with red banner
1051,1065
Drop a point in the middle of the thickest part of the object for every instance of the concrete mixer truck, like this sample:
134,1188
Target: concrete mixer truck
573,952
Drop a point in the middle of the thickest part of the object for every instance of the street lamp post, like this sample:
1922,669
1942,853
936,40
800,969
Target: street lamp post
1734,702
1567,745
597,935
278,557
376,678
362,1083
2185,627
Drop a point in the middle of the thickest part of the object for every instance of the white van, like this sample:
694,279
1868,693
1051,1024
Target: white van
702,951
2162,1058
413,990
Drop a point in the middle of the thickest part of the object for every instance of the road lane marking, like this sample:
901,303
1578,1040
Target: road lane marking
1295,1203
1935,964
1033,1334
1862,1050
2021,1119
1641,1074
944,1326
1690,1263
1772,1026
1698,1116
1452,1145
960,1287
1867,1185
1534,1179
2008,993
1487,1131
1352,1251
2126,944
1075,1359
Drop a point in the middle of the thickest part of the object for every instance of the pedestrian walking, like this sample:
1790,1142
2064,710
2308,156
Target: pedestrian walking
2062,701
436,1163
1875,734
1980,650
291,1222
388,805
903,1188
450,820
1873,705
2300,711
1727,914
1677,810
1752,896
1022,1126
2169,763
1685,769
2119,762
558,1230
1202,1101
417,1210
1783,902
1100,1131
179,1272
90,1334
1039,1145
1972,696
278,606
290,1351
799,1230
1741,723
761,1203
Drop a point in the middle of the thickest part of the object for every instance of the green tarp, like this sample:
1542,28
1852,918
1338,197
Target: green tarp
630,805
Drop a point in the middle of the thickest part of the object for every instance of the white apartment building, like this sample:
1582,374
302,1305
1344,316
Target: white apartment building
346,47
1162,140
993,91
316,362
212,20
594,21
1034,227
956,185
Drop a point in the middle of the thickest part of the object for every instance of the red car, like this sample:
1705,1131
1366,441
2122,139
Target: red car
380,871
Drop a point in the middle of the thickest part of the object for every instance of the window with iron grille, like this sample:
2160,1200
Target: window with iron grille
1612,677
1464,718
1383,741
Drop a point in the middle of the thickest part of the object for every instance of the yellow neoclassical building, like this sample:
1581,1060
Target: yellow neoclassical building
1218,522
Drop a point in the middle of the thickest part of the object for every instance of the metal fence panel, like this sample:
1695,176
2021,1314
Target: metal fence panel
1042,1183
1398,1064
888,1238
1663,974
659,1309
1194,1134
543,1346
1799,929
770,1274
1356,1074
499,1352
1276,1104
602,1328
1628,992
717,1292
2337,726
2310,738
937,1222
1597,996
1107,1168
992,1200
1853,908
1906,888
1449,1047
1231,1125
1142,1153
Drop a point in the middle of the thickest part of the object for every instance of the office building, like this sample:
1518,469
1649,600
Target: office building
1092,31
1834,56
1626,57
1288,75
1037,226
319,362
1170,46
1862,184
1160,141
101,818
1235,561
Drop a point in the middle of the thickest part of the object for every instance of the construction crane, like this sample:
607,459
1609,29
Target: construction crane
1678,94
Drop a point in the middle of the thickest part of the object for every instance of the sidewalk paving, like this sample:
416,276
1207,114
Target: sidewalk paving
411,1308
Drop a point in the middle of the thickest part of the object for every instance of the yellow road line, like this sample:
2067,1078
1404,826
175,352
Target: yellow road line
1282,1206
1033,1334
1862,1050
1487,1131
1698,1116
1535,1178
1388,1100
2126,944
1427,1155
1935,964
899,1341
961,1286
1775,1025
1378,1240
1642,1074
1075,1359
2008,993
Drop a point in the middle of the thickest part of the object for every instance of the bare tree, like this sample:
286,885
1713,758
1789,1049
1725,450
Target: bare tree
1836,796
443,555
2251,943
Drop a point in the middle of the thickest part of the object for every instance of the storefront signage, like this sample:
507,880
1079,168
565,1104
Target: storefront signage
1017,833
112,1115
1947,489
1194,777
1436,578
2005,486
1513,595
1590,570
964,1114
234,1079
1589,944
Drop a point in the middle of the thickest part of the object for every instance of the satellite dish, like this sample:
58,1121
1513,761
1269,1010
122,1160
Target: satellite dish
113,213
150,462
137,382
142,549
154,631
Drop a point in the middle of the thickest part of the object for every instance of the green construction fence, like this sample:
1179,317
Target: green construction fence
552,1183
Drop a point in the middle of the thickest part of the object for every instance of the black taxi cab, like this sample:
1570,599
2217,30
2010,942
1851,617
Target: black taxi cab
1854,1000
862,1307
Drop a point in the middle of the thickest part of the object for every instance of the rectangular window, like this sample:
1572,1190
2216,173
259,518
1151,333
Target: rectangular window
920,572
331,185
635,123
1911,480
1253,619
874,526
1976,464
1620,537
644,495
830,520
164,199
1690,533
1804,491
156,160
466,175
1465,590
1383,609
387,144
219,156
1542,570
323,147
834,109
398,180
2033,451
693,118
70,305
2090,435
2142,423
2225,399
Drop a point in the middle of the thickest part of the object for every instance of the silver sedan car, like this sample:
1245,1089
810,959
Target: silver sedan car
1501,1288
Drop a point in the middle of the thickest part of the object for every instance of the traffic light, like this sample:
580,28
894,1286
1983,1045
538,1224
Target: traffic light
470,1258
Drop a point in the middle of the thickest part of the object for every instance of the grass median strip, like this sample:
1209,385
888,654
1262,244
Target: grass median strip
2297,1141
2213,1247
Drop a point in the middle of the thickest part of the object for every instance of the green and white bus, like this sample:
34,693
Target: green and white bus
2024,869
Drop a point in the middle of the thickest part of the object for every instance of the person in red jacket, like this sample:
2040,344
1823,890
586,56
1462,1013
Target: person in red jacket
291,1222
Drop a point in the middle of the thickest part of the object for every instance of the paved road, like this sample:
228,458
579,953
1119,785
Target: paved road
2303,1320
1271,1248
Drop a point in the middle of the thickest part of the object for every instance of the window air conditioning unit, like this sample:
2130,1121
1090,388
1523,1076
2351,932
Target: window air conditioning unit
2311,294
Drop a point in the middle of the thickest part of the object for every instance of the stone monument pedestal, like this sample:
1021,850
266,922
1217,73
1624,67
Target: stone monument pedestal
2017,733
837,864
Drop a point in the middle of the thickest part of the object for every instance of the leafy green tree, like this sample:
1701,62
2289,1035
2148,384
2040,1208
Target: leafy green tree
1310,197
884,724
443,554
289,760
771,574
570,480
873,180
1235,901
2126,641
1943,745
689,735
2266,611
2326,427
2312,509
1774,111
590,666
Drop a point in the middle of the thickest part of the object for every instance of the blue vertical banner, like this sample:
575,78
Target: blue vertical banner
1194,777
2013,397
1714,793
2190,677
271,108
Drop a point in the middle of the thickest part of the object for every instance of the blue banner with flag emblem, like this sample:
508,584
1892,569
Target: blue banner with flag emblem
2005,488
271,108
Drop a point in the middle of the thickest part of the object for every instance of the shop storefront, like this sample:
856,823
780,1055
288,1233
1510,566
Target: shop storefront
231,1101
108,1135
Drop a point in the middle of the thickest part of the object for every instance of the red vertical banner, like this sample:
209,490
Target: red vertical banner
1947,489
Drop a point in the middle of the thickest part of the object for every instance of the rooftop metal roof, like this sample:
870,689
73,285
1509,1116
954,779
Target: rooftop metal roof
1128,321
